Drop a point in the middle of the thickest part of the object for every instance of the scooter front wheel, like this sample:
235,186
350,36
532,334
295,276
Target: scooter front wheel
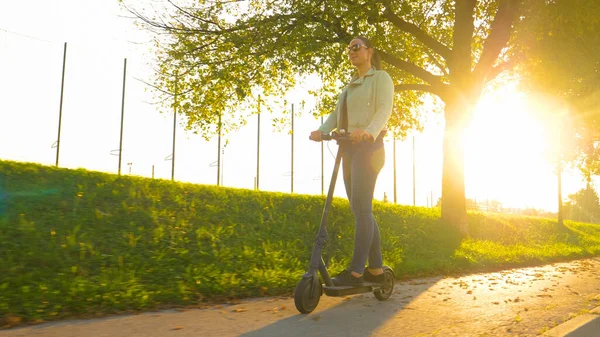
386,291
303,299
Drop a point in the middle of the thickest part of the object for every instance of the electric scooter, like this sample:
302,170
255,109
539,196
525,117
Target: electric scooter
309,290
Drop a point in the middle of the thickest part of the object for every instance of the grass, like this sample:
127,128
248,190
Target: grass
76,243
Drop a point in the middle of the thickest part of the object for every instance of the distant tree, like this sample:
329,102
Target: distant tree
584,205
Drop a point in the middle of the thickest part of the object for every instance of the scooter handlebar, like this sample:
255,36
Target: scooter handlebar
337,136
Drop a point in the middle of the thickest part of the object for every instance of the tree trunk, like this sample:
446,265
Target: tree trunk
454,209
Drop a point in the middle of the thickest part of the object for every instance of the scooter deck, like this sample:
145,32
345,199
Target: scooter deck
347,290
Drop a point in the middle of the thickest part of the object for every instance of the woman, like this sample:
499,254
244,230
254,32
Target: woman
367,102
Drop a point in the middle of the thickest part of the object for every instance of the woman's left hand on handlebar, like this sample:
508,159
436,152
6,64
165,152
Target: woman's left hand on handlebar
360,135
316,136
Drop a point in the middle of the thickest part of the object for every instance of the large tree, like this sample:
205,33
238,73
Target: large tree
218,55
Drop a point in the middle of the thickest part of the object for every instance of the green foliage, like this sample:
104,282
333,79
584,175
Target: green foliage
80,243
559,44
217,57
583,205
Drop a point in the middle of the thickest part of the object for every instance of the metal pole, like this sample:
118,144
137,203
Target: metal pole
414,180
559,169
62,90
223,165
219,154
258,148
322,171
395,195
152,171
292,171
122,114
174,128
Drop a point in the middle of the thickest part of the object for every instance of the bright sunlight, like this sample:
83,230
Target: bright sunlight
508,152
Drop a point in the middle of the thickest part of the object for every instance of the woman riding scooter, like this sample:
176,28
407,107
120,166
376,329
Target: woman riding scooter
363,110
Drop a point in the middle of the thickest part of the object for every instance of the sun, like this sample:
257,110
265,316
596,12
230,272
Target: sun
507,153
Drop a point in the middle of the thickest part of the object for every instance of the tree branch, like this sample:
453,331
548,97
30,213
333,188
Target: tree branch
410,68
499,69
417,32
437,63
499,35
189,14
418,87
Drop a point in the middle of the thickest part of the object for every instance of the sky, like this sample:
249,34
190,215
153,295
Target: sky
504,154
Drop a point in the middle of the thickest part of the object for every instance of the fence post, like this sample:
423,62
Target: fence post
122,114
62,90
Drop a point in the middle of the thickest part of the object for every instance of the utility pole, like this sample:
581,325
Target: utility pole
292,170
174,130
62,91
414,174
219,154
256,184
322,163
122,114
559,172
395,195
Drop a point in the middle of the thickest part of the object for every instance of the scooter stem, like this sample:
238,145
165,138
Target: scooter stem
316,260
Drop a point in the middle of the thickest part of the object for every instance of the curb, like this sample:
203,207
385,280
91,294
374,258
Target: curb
586,325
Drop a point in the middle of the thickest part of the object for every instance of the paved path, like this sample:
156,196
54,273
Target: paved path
518,302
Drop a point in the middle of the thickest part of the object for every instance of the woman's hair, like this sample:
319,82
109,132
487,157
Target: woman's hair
376,58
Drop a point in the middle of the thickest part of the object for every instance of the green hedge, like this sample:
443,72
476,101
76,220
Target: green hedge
76,242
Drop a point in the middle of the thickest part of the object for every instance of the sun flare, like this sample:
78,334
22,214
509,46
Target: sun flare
508,152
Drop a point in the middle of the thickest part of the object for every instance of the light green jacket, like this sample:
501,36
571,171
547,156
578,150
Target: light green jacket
369,101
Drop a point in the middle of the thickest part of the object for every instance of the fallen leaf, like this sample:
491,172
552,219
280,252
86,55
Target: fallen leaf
11,320
177,328
239,310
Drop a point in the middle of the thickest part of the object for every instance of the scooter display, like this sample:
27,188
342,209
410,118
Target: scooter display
310,289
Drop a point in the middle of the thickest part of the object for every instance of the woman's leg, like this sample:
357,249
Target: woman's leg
375,258
366,164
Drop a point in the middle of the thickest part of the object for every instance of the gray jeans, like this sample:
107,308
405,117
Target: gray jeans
361,164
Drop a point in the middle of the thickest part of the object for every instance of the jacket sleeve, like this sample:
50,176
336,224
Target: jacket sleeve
331,122
384,101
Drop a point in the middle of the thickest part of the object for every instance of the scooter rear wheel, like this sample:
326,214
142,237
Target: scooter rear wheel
304,301
386,291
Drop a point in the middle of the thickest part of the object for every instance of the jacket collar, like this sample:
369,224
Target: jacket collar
356,80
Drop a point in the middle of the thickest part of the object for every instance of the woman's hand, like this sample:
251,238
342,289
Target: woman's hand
316,136
360,135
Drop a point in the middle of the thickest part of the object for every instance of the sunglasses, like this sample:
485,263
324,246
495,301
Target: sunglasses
356,47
